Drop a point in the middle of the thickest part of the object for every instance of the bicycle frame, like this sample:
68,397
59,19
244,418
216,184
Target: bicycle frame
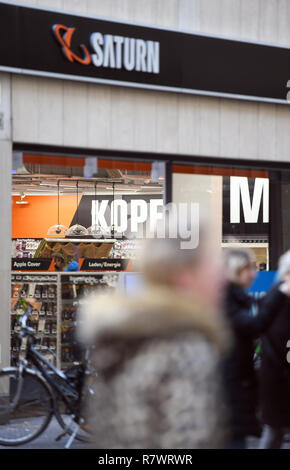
34,357
38,360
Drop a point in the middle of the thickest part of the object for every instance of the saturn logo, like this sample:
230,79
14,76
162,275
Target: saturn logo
64,36
111,51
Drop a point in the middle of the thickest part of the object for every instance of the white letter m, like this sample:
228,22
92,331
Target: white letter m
239,187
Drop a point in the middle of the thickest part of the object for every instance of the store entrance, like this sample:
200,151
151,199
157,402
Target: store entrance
76,228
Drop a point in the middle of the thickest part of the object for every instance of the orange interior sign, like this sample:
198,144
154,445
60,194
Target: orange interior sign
32,220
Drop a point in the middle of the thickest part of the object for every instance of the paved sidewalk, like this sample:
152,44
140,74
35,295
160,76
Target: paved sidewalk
47,440
253,443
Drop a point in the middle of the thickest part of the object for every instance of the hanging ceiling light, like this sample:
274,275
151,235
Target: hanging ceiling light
113,214
114,233
96,230
77,229
57,230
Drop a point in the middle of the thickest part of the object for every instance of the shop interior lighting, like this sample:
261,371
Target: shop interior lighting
58,229
134,190
95,230
46,184
114,232
77,229
113,214
22,202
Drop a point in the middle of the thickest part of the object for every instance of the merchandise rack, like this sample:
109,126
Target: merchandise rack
75,285
30,286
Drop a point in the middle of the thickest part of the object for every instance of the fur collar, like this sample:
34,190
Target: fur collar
157,312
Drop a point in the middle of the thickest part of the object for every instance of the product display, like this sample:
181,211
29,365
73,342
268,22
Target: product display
74,249
55,299
74,287
41,292
125,249
24,247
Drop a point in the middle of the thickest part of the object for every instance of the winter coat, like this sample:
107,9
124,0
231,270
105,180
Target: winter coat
158,384
275,370
240,379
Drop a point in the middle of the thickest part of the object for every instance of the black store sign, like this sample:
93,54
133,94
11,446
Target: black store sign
30,264
45,42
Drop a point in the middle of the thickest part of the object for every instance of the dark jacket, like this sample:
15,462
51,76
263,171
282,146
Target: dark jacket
241,385
275,370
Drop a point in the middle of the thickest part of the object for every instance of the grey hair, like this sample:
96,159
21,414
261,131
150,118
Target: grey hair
235,260
284,264
160,257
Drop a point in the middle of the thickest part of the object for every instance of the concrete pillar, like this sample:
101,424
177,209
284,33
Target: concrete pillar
5,216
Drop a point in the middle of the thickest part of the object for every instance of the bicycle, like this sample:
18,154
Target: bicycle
33,392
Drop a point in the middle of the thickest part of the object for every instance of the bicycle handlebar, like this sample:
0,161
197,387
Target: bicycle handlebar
25,316
23,321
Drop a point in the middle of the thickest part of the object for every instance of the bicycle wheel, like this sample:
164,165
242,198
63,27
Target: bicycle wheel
65,421
64,418
33,411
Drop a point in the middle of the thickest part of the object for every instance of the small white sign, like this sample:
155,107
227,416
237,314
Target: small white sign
91,167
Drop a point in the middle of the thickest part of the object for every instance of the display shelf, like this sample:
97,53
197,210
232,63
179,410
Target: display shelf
43,320
77,286
48,317
57,330
81,240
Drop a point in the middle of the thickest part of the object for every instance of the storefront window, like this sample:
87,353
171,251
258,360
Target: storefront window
69,198
76,224
240,207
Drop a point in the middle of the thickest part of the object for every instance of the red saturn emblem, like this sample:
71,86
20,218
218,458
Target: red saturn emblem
64,36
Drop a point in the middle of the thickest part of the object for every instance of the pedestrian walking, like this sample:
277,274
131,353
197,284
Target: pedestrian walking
158,354
275,366
240,378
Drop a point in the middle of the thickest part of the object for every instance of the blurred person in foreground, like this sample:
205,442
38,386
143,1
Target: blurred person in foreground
240,379
157,354
275,367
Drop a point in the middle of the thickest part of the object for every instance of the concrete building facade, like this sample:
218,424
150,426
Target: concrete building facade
71,114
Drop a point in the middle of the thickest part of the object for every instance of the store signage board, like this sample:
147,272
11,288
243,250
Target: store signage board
132,213
92,279
85,264
246,207
52,43
31,264
240,195
46,278
91,264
